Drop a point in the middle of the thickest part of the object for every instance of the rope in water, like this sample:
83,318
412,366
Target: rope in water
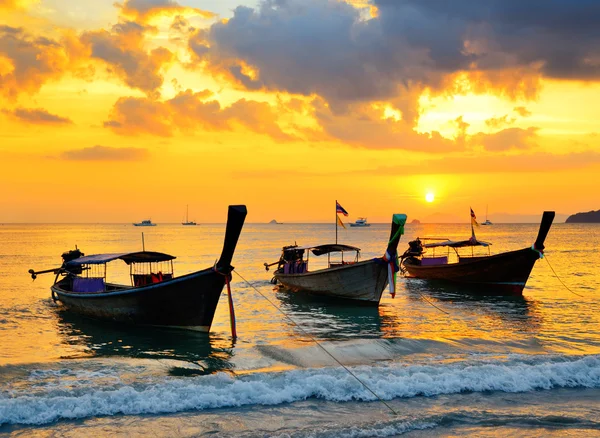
317,343
429,302
556,275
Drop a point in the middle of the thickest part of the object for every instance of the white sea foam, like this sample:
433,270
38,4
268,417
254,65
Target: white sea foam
169,395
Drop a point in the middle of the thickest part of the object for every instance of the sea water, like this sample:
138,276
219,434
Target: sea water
432,361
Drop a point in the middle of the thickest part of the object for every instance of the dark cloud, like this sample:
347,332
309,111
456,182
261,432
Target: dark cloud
328,48
37,116
106,153
190,111
561,38
308,47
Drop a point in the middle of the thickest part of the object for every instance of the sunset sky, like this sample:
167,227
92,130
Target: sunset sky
117,112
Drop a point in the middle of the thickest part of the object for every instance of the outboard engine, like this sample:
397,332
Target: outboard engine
412,254
72,254
415,249
292,253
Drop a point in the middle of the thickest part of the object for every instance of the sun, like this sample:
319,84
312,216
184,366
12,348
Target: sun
429,197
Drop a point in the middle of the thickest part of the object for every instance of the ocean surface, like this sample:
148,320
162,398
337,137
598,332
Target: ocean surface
490,366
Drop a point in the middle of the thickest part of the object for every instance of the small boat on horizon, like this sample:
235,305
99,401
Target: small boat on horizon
144,223
360,222
187,221
500,274
358,281
156,296
486,221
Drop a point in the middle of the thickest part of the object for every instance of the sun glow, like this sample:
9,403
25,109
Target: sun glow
429,197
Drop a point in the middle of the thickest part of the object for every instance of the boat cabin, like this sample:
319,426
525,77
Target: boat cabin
292,257
88,273
418,251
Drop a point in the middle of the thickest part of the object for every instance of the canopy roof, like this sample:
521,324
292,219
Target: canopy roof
457,243
328,248
127,257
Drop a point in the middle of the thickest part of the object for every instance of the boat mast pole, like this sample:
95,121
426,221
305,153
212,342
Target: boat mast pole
336,221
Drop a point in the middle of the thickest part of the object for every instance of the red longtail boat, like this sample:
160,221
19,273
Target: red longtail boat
500,274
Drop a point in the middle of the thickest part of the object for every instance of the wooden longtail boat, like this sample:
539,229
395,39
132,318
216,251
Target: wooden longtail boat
155,297
500,274
359,281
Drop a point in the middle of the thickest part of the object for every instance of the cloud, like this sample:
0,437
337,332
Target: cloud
123,50
522,111
106,153
510,138
190,111
365,125
27,62
329,48
499,122
37,116
144,10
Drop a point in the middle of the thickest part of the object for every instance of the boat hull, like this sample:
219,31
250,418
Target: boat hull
358,225
500,274
187,302
361,282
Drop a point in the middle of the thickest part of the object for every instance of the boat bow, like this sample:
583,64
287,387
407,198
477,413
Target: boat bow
236,216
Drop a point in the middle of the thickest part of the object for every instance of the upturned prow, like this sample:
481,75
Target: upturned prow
398,222
547,219
236,216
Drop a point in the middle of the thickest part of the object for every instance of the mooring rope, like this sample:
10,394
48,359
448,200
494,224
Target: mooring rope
317,343
429,302
556,275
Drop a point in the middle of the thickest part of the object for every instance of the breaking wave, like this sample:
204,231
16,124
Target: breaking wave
162,395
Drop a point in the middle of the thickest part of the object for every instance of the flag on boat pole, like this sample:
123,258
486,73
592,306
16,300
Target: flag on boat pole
339,209
473,222
473,218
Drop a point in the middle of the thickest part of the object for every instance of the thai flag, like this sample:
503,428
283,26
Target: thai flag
340,209
473,218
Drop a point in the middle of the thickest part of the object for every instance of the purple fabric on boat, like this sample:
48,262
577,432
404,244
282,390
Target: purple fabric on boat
429,261
88,285
286,268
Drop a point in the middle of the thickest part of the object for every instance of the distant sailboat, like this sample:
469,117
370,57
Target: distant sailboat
487,221
187,221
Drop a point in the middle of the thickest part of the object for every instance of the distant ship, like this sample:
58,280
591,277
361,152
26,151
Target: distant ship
360,222
144,223
187,221
274,222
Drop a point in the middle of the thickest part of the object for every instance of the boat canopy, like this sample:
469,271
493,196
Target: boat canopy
328,248
127,257
457,243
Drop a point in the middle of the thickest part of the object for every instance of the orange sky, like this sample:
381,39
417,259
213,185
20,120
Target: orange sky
120,112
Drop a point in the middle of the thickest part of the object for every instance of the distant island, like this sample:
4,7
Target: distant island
274,222
415,221
591,217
